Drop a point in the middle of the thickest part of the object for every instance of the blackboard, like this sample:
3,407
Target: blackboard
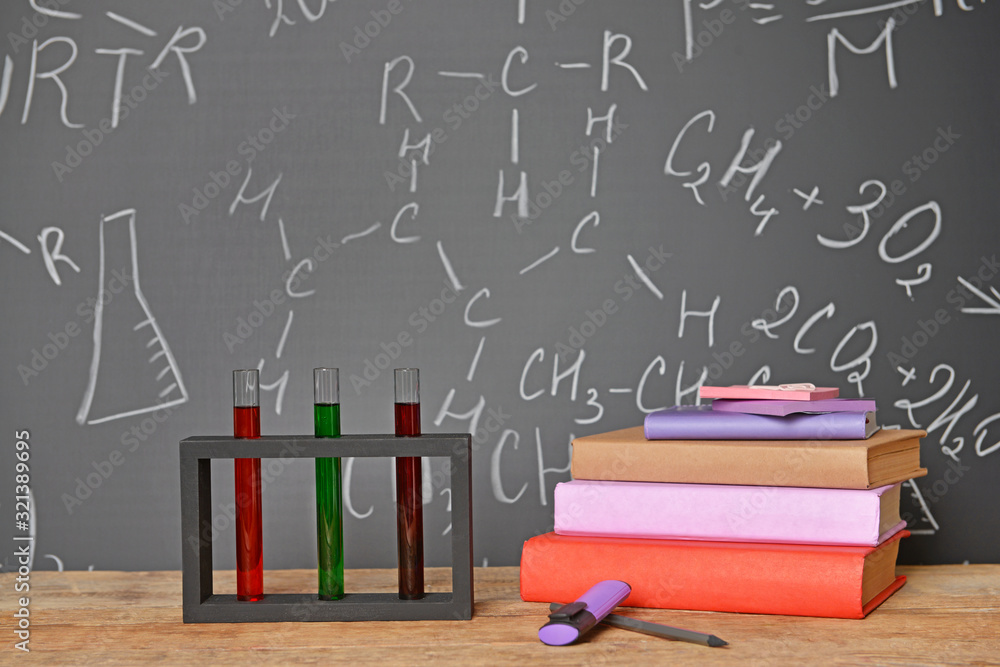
544,205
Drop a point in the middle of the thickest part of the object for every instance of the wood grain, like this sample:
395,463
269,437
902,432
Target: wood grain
946,614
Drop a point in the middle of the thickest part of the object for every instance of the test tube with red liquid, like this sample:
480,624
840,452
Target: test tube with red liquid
409,502
249,542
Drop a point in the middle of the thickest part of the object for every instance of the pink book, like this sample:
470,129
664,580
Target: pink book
782,392
725,513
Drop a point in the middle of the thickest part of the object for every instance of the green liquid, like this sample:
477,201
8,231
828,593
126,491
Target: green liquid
329,515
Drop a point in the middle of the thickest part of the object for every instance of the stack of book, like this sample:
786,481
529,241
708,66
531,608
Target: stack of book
781,503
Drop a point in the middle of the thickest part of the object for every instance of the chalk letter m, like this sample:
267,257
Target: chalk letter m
831,49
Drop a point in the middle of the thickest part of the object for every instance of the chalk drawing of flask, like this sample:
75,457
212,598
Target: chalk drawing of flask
139,373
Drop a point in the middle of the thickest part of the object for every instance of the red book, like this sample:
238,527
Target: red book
754,578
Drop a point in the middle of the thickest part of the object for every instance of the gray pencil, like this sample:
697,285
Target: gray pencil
656,629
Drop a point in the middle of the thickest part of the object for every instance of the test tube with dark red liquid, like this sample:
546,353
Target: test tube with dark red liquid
249,542
409,502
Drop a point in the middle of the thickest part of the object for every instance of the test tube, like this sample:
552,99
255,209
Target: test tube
329,513
249,542
409,503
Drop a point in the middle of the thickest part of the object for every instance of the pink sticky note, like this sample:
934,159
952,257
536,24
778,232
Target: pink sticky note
784,392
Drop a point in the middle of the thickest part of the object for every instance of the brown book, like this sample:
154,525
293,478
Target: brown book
887,457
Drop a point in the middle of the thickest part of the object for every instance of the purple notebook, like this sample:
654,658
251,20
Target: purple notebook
701,422
782,408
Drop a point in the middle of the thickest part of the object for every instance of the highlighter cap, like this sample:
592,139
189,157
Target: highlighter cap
558,634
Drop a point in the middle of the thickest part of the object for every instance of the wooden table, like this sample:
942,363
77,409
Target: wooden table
947,614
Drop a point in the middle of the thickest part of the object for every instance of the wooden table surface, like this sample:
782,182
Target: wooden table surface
946,614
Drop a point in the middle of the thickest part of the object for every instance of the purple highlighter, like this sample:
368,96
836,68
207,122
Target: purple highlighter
572,621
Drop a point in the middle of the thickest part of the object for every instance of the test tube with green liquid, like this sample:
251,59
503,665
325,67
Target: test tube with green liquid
329,512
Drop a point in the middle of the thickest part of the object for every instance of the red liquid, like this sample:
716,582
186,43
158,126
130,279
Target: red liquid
246,422
409,509
407,419
249,542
